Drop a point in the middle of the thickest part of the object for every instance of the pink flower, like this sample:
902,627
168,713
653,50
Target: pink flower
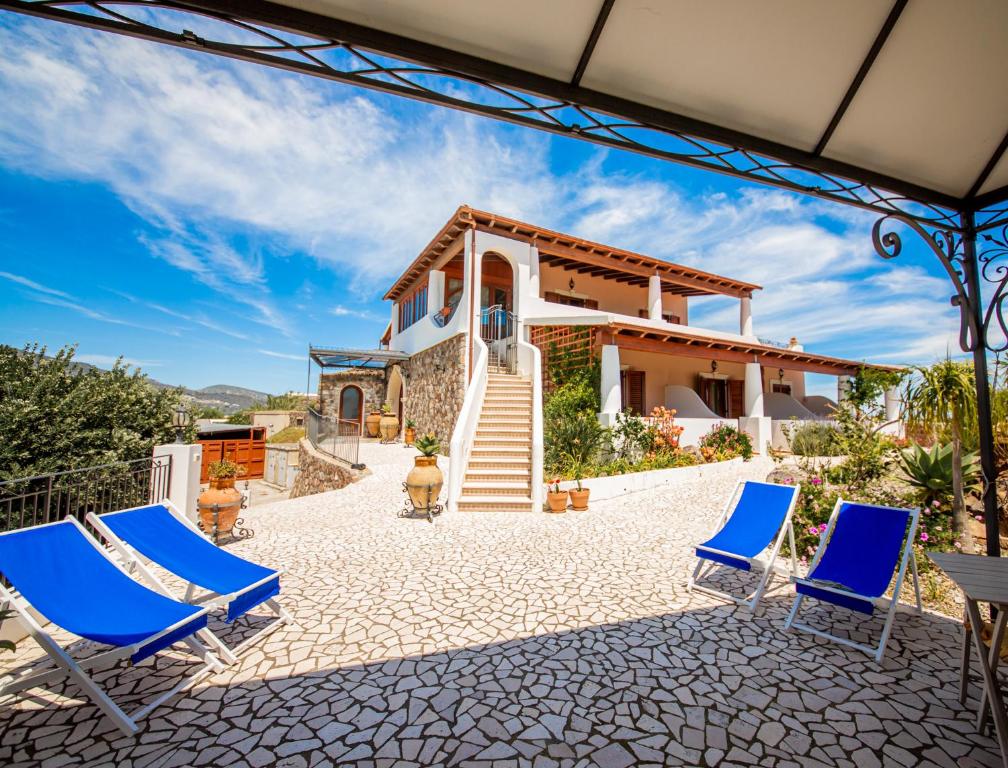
816,481
979,517
958,544
810,550
804,560
924,536
813,530
936,504
822,528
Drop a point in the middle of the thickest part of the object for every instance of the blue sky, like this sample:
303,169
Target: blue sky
208,219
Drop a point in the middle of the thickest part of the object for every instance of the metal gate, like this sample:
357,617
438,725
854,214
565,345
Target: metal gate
497,330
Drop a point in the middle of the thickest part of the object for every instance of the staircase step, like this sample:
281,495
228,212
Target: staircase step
492,462
496,488
516,429
504,440
498,451
495,504
489,474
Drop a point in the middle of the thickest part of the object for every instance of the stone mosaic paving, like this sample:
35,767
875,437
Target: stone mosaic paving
519,640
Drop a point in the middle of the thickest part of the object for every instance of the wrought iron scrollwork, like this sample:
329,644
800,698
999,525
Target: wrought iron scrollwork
234,35
948,247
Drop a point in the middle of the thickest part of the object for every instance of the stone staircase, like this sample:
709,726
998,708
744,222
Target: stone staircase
499,475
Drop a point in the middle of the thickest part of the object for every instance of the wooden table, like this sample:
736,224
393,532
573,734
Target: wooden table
983,580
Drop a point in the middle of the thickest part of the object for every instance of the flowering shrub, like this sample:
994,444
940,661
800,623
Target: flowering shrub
725,442
816,499
663,430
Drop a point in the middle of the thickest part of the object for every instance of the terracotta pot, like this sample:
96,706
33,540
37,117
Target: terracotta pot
409,435
579,499
425,473
228,500
557,501
371,423
388,426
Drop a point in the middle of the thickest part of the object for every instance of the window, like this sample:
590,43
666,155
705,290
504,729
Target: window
570,301
668,317
780,386
632,391
413,308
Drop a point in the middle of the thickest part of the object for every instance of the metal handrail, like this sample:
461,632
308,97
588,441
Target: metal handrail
497,331
338,438
102,488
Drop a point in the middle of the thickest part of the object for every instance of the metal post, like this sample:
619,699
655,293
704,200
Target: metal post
988,466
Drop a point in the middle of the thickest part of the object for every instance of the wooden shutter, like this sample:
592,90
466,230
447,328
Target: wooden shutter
632,389
736,391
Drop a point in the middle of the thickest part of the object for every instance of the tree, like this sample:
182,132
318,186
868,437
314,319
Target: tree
56,415
940,400
209,412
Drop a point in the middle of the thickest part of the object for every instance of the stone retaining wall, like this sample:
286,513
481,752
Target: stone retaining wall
318,473
435,387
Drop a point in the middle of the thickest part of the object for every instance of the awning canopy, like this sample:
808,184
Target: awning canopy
355,358
890,105
685,344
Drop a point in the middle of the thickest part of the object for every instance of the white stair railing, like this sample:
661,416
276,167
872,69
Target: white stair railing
465,426
530,362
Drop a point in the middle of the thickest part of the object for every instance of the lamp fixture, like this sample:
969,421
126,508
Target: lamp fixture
571,284
713,366
180,420
780,374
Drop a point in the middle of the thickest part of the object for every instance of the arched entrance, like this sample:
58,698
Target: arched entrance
351,404
497,326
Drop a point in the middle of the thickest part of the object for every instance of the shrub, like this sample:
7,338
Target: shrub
56,415
572,435
725,442
225,469
427,444
813,439
868,452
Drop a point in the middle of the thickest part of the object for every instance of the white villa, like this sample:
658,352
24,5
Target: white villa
477,314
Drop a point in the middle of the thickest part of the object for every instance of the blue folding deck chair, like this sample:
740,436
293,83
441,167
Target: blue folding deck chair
65,575
862,545
160,533
755,518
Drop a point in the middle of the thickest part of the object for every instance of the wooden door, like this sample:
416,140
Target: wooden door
632,388
736,395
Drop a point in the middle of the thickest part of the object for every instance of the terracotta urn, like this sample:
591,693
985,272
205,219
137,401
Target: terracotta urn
371,423
425,473
222,492
388,427
557,502
409,435
579,499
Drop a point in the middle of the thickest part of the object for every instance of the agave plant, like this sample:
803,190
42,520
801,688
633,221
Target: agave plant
428,444
930,471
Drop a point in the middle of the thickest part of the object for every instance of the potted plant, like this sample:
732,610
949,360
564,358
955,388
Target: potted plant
372,421
221,497
388,424
579,495
555,498
425,480
409,434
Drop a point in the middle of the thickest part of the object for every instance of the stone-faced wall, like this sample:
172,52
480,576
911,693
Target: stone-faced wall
435,387
370,380
318,473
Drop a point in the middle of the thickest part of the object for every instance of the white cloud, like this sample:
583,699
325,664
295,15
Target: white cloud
205,148
361,314
107,361
282,355
28,283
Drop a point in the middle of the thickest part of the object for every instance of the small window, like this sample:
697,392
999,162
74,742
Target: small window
668,317
413,308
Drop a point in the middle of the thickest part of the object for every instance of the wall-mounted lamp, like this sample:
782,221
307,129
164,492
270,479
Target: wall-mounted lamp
571,284
713,366
780,374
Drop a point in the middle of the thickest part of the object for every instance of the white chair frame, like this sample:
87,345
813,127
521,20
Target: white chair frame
704,567
889,605
61,664
133,560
